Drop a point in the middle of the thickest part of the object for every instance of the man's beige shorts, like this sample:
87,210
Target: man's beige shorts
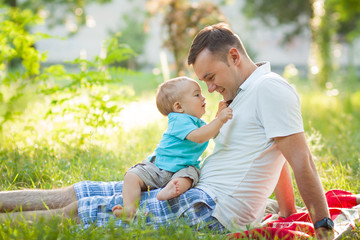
155,177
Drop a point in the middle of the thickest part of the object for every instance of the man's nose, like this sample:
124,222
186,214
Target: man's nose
211,87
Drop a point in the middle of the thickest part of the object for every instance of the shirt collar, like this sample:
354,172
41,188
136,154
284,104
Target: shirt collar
173,115
262,68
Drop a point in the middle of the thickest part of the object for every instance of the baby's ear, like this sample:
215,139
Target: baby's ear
178,108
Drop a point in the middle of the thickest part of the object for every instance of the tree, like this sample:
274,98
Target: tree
348,21
16,43
328,20
56,11
296,15
134,35
183,20
91,78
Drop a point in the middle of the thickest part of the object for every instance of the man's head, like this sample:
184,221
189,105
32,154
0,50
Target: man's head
182,95
220,60
218,39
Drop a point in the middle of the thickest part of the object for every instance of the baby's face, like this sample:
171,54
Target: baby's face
192,101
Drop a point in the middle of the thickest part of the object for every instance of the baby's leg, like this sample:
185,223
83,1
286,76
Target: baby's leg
174,188
131,195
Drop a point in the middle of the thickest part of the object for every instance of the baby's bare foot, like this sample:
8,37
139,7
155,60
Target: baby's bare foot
117,211
123,213
171,190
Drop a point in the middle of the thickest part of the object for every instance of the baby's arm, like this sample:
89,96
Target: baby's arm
222,105
211,129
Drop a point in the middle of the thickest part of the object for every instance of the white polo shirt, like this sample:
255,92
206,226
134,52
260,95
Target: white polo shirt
244,168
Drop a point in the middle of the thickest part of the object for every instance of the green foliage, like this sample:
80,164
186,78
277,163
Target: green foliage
46,158
326,20
323,30
134,35
182,20
57,12
298,14
90,95
348,18
17,42
60,229
334,120
81,138
296,17
86,92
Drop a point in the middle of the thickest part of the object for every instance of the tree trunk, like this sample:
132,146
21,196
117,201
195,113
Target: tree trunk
11,3
323,30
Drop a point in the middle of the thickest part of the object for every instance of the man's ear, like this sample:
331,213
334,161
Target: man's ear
234,56
178,108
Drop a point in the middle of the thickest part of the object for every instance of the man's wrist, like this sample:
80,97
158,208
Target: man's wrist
325,223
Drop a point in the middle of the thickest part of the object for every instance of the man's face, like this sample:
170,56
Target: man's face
217,75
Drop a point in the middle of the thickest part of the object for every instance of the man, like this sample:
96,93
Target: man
247,165
267,126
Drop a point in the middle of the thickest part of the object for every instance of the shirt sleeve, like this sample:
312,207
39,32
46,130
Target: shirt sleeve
279,108
181,126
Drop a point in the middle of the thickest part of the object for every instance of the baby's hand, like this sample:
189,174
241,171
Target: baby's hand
225,114
222,105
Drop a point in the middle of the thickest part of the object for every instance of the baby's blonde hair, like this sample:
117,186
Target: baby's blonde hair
170,92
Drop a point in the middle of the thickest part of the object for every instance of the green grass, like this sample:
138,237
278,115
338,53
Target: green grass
34,155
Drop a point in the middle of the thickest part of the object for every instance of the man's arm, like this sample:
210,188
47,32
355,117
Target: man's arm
297,153
284,193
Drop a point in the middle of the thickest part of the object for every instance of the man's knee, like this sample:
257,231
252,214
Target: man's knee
70,194
71,211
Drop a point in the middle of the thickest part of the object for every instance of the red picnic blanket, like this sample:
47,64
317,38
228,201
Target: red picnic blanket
299,225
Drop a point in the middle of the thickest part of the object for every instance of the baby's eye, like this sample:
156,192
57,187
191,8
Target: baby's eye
197,95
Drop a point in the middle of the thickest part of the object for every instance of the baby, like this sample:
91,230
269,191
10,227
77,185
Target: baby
175,162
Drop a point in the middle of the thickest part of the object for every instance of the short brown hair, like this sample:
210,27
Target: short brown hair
170,92
218,39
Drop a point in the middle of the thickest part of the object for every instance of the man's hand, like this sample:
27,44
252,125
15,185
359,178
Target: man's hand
225,115
324,233
284,193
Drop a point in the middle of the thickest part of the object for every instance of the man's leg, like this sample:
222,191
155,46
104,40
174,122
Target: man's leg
27,200
69,211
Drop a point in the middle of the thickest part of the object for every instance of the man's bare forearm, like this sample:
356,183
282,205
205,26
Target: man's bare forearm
284,193
295,150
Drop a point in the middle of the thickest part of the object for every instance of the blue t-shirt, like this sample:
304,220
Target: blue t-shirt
174,151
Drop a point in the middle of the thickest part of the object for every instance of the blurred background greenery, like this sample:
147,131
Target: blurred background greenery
91,119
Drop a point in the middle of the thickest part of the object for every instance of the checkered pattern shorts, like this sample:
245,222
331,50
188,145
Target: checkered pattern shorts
96,200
